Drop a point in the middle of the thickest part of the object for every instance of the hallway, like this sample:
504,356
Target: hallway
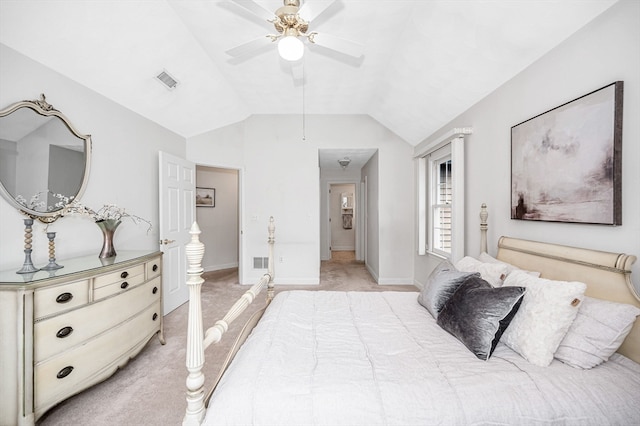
344,273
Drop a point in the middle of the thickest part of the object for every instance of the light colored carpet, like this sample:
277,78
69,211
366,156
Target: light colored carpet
150,389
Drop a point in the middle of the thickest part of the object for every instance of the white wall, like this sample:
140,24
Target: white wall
124,164
604,51
219,224
279,168
281,178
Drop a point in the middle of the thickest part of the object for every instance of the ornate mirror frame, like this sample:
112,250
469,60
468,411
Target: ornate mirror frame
42,107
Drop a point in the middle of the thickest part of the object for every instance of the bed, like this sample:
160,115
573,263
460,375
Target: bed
350,358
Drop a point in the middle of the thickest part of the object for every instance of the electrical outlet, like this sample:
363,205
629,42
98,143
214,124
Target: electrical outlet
281,259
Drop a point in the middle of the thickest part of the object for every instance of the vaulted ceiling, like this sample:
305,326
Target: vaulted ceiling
422,64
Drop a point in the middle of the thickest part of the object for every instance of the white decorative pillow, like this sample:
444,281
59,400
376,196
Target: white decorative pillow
597,332
547,311
493,273
486,258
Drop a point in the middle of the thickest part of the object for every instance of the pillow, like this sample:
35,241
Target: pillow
443,281
493,273
597,332
486,258
546,313
477,314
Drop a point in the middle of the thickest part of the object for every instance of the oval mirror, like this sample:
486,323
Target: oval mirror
44,160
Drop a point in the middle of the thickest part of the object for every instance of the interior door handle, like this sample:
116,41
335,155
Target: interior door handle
165,241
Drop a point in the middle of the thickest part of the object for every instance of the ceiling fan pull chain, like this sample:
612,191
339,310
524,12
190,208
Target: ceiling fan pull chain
304,129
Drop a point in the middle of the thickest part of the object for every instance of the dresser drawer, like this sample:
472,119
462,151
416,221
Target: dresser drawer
117,287
51,300
63,332
119,276
154,268
75,370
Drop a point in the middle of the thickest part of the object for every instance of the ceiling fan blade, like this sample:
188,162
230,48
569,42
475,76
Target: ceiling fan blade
249,47
255,8
311,10
347,47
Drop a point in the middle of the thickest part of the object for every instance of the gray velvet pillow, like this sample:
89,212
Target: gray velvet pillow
477,314
440,286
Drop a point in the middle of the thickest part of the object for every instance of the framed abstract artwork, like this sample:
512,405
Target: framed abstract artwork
205,197
566,163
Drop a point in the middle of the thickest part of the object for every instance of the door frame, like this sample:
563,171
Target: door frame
363,222
359,211
241,206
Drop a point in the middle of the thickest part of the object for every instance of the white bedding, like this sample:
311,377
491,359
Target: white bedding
335,358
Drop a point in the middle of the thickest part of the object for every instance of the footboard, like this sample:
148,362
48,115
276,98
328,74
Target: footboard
197,340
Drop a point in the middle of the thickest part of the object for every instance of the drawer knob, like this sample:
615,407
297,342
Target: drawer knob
125,274
64,297
155,268
155,290
155,316
64,332
124,285
64,372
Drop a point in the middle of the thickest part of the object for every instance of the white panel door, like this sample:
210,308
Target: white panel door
177,214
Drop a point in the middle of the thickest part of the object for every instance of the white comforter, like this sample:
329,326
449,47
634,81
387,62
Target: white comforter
334,358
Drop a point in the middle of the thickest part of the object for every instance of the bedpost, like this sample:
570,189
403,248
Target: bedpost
484,215
198,340
271,241
195,348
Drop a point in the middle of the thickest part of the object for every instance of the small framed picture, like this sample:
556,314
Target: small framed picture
205,197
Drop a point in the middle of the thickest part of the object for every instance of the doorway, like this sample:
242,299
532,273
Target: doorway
361,167
219,219
343,217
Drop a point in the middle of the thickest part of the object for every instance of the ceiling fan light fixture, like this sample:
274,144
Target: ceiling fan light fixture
290,48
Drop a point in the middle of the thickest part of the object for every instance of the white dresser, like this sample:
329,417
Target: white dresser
65,330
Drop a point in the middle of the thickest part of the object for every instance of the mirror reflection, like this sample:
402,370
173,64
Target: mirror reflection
346,200
43,160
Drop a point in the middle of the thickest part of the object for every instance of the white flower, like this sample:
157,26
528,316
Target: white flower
106,212
34,203
70,206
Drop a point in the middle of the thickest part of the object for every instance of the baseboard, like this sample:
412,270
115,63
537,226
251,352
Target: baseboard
389,281
374,275
212,268
343,248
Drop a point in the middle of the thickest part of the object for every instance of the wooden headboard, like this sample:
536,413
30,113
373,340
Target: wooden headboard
607,275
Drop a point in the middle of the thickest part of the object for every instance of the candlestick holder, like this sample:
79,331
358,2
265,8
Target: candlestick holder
27,266
52,265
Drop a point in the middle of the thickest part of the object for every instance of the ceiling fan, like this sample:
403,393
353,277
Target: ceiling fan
292,22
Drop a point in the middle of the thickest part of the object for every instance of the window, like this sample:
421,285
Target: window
441,198
441,205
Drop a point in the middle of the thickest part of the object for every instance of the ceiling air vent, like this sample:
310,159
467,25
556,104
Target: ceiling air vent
169,82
